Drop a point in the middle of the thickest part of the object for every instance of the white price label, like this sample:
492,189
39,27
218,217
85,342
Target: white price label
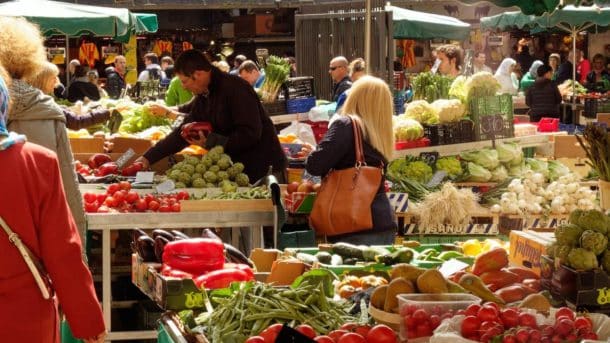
452,266
166,187
145,177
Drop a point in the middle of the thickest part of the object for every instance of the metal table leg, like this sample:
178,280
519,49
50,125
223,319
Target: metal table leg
106,280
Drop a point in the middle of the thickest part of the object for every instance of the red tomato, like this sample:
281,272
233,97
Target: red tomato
141,205
271,332
381,334
112,188
470,326
351,337
175,207
183,195
494,305
420,316
324,339
120,196
149,197
473,310
89,197
255,339
101,197
132,197
153,205
349,326
111,202
522,335
510,318
487,314
336,334
165,208
363,330
582,322
103,209
306,330
564,311
125,185
91,207
526,319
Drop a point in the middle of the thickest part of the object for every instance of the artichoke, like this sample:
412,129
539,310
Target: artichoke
218,150
242,180
192,160
179,185
605,260
582,259
568,234
224,163
188,168
593,241
210,177
562,252
594,220
575,216
239,167
227,186
200,168
198,183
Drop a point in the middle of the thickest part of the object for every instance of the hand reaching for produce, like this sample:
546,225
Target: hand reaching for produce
200,141
158,109
306,149
143,161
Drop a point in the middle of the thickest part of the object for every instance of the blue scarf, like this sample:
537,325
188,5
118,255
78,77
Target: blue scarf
7,139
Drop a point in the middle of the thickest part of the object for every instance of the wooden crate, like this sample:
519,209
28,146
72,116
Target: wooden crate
483,223
87,145
241,205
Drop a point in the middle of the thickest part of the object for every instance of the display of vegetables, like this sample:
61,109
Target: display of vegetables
430,87
406,129
137,118
451,165
421,111
583,243
448,110
486,158
276,73
411,168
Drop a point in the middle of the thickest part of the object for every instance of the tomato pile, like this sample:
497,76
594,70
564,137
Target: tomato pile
120,198
421,323
488,322
347,333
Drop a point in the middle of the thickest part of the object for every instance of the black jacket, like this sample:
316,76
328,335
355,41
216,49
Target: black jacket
234,110
593,85
77,122
337,151
564,72
115,84
78,90
340,87
543,99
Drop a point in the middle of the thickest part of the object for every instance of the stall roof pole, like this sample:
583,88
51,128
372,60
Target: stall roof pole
367,37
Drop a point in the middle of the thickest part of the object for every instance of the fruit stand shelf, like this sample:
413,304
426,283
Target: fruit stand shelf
289,118
456,149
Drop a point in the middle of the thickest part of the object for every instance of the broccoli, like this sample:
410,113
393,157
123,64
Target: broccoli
450,165
201,168
210,177
179,185
582,259
222,175
568,234
605,260
214,169
199,183
242,180
239,167
188,168
219,149
227,186
594,220
224,163
593,241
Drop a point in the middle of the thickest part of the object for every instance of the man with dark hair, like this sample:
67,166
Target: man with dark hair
116,77
153,70
249,71
543,97
478,62
451,59
231,106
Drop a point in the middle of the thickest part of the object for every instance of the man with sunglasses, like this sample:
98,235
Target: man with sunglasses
230,105
339,73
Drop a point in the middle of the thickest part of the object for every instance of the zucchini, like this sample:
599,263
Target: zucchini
323,257
350,261
370,252
348,250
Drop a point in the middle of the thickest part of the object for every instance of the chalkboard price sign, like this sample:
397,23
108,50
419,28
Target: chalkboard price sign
429,157
492,125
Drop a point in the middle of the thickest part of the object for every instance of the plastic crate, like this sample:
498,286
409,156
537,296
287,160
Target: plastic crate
275,108
590,110
418,143
492,105
300,105
548,125
299,87
450,133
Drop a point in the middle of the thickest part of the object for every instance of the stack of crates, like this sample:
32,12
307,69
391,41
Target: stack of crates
299,94
492,105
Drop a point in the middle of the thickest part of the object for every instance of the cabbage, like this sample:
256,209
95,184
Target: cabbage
421,111
486,158
538,166
499,174
557,170
517,170
449,110
478,173
509,153
407,130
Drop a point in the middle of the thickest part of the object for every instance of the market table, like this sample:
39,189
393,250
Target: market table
233,218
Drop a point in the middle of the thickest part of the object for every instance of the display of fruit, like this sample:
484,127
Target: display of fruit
305,186
120,198
420,322
102,165
347,333
214,169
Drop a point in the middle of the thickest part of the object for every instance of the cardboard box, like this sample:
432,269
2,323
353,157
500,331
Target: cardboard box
87,145
143,274
568,146
122,144
526,247
299,202
263,258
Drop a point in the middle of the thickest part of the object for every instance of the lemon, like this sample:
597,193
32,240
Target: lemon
472,247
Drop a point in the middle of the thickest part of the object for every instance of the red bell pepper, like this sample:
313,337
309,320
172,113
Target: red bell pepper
132,169
107,169
195,255
191,130
97,160
169,271
240,266
221,278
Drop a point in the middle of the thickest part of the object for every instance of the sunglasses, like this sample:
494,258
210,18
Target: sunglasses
333,68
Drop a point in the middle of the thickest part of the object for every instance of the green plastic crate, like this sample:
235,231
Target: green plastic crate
492,105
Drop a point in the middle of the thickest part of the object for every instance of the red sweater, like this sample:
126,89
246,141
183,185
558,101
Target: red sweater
34,206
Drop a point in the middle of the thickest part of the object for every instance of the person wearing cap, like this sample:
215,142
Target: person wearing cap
543,97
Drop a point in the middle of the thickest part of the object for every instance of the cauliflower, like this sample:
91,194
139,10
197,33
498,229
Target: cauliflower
593,220
450,165
481,84
568,234
593,241
421,111
478,173
486,158
605,260
510,153
449,110
582,259
407,130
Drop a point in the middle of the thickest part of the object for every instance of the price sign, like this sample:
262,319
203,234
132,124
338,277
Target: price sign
429,157
166,187
492,125
128,155
436,179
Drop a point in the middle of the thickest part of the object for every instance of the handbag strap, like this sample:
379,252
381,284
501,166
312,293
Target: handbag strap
33,263
358,142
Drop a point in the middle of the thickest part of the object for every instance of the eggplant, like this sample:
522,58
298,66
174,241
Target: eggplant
207,233
158,232
233,254
160,243
145,247
136,233
179,235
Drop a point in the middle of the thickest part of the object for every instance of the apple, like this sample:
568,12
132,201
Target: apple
292,187
305,187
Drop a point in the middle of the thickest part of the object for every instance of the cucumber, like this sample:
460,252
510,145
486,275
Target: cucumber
350,261
307,258
348,250
323,257
447,255
370,252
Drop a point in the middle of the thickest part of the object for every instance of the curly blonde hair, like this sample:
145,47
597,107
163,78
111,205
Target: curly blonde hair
22,51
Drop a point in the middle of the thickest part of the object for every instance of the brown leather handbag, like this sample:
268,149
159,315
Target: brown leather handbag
343,203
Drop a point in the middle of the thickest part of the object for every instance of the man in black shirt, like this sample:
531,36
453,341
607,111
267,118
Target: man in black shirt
116,77
339,72
238,119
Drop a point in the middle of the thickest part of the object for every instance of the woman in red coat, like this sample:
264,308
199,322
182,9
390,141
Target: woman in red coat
33,204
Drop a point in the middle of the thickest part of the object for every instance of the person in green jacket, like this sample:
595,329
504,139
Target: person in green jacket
176,94
530,77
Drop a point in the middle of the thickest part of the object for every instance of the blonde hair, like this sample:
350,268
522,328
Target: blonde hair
46,72
370,102
357,69
22,51
222,65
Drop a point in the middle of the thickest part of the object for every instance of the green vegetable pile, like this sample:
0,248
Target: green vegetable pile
214,169
583,243
260,192
276,73
138,118
430,87
411,168
241,312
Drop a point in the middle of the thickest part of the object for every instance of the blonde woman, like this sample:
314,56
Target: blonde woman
370,103
357,69
47,79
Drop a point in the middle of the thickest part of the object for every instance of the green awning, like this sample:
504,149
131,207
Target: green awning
536,7
146,22
409,24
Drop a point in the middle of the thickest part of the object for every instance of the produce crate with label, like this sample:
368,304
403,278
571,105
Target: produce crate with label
492,105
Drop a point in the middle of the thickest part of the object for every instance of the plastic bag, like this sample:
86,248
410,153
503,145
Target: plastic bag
303,132
322,112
